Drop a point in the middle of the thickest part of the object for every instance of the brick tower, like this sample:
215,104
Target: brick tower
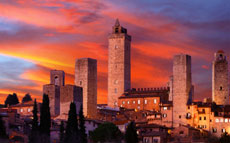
220,85
86,77
118,63
182,88
57,79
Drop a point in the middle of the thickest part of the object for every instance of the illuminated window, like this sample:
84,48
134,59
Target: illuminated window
223,130
164,108
155,101
225,120
127,102
121,105
138,107
123,102
116,82
21,110
221,120
146,101
217,120
28,110
134,102
138,101
164,115
116,47
214,130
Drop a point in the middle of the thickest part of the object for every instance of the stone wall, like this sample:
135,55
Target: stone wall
86,77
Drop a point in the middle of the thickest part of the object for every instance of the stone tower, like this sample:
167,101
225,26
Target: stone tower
57,77
119,70
86,77
182,88
220,85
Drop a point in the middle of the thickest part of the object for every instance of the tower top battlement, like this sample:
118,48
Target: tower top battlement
220,56
117,28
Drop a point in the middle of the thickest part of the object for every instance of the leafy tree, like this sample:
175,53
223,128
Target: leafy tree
106,132
34,136
11,99
2,129
71,134
62,129
131,134
45,120
83,135
26,98
225,138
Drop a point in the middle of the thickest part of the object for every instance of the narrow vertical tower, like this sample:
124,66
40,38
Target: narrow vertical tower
182,86
220,85
118,63
86,77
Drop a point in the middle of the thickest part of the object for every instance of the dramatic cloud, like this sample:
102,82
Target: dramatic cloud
48,34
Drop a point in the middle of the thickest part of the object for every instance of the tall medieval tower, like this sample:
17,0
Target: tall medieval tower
182,88
118,63
86,77
220,85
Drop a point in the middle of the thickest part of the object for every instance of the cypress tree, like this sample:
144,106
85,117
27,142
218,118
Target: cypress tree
34,133
83,135
71,134
131,134
62,129
2,129
45,120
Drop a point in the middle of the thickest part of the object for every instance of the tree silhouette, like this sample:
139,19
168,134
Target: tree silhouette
11,99
83,135
45,120
131,133
62,135
71,134
26,98
34,136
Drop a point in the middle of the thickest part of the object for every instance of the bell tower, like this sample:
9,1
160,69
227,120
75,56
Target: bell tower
220,86
119,69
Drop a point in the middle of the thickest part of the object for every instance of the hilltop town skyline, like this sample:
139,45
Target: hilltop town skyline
32,46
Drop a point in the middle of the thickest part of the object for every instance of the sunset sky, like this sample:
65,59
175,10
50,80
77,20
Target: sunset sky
39,35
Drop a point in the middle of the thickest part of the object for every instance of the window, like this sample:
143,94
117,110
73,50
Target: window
138,107
28,110
223,130
221,120
155,101
217,121
80,82
179,116
115,90
56,80
188,107
214,130
204,118
134,102
203,110
123,102
146,101
164,108
21,110
225,120
138,101
127,102
116,82
121,105
181,132
200,118
221,88
164,115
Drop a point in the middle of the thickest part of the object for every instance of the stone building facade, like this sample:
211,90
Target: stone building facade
182,87
53,91
70,93
57,77
220,79
119,69
144,99
61,95
86,77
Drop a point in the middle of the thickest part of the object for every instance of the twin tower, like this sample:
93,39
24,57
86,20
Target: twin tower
183,91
